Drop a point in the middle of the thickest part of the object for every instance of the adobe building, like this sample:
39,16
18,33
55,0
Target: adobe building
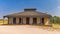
29,16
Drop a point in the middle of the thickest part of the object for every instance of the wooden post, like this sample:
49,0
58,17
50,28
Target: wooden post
3,20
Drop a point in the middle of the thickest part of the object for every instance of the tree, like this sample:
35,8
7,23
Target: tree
56,19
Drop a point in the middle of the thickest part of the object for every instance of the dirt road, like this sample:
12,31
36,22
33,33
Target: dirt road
24,29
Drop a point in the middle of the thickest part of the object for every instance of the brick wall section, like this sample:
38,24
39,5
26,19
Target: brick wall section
46,21
10,20
38,20
24,20
17,20
31,20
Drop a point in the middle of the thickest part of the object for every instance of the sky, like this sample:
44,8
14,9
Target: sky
12,6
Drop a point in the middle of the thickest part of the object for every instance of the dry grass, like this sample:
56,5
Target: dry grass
57,26
5,21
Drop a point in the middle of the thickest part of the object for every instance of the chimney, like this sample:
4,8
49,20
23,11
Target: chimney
30,9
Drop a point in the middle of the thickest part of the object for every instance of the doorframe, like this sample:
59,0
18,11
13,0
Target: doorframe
42,20
28,20
13,20
35,20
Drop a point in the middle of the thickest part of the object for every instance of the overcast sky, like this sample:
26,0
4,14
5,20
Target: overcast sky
12,6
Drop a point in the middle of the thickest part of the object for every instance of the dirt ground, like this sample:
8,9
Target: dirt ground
25,29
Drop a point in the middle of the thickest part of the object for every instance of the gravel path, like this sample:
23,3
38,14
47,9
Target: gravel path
25,29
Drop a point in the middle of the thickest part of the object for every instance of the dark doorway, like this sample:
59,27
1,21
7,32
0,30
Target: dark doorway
34,20
19,20
27,20
43,21
14,20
